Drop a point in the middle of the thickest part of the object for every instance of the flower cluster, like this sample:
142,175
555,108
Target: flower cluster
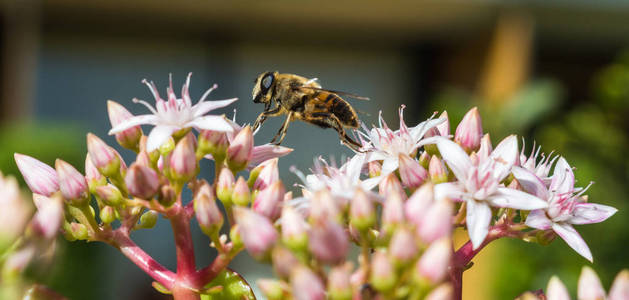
26,238
397,200
589,287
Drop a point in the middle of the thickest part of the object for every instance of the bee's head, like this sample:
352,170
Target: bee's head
262,89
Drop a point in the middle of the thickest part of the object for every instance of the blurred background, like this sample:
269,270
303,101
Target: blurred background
556,73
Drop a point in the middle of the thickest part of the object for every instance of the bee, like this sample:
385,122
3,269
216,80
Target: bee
303,99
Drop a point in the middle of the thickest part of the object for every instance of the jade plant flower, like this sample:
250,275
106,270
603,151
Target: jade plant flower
175,114
566,205
479,184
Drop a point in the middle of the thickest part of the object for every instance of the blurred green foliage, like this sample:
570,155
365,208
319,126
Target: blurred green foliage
592,133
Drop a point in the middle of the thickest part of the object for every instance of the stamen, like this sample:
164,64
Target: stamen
136,100
152,88
207,93
299,174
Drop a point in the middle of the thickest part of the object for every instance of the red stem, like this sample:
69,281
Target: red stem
183,242
205,275
466,253
151,267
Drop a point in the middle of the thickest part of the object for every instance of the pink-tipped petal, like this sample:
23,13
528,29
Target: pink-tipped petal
505,155
506,197
538,219
590,287
573,239
530,182
455,157
588,213
204,107
133,121
556,290
477,219
215,123
470,131
40,177
158,135
563,177
620,287
265,152
449,190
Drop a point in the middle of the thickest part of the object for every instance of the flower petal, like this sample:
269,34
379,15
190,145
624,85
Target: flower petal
266,152
620,287
159,134
530,182
537,219
354,166
458,161
216,123
133,121
563,177
506,197
478,219
504,156
590,286
588,213
556,290
204,107
573,239
420,130
449,190
370,183
389,165
376,155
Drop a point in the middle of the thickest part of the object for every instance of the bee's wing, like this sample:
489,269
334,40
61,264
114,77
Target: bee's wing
335,92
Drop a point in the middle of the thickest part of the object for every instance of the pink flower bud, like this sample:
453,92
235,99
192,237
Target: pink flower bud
183,161
403,247
418,203
470,131
225,186
411,172
241,194
383,276
141,181
283,261
257,233
273,289
433,265
390,184
128,138
14,214
444,128
437,170
72,184
40,177
362,213
240,150
109,194
105,158
339,285
375,169
269,201
436,223
590,286
143,159
323,207
207,212
620,287
92,175
213,142
556,290
268,173
443,292
392,213
47,219
424,159
294,229
306,285
328,242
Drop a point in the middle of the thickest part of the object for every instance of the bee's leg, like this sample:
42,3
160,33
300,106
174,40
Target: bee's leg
265,114
282,132
345,139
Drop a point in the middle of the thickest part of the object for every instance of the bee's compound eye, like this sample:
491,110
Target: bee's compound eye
267,81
